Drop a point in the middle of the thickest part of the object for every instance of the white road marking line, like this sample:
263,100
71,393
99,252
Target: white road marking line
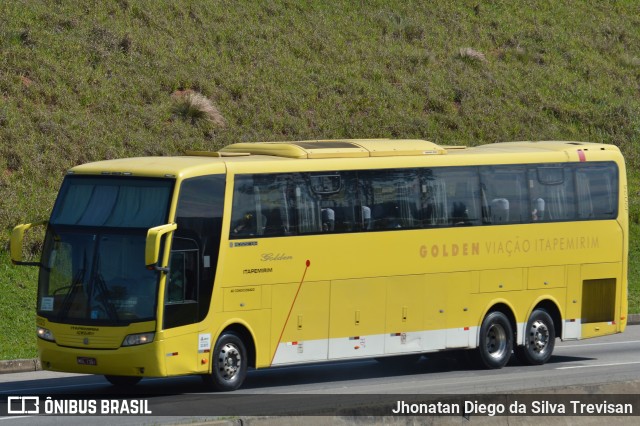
596,344
597,365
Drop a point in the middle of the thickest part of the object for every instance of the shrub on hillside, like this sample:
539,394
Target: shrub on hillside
193,107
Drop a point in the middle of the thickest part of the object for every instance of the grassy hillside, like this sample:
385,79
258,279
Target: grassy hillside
88,81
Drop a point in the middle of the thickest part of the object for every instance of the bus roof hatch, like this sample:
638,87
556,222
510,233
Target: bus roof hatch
347,148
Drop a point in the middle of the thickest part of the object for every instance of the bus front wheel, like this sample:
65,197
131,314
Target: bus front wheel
539,339
496,340
229,363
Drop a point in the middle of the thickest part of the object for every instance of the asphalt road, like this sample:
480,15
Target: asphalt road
585,364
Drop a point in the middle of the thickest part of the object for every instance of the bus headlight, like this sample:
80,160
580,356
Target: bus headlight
138,339
45,334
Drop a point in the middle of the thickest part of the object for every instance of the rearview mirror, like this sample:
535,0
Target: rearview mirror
17,241
152,248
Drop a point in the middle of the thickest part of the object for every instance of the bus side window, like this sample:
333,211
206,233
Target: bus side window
273,204
552,193
244,207
391,199
336,201
505,192
597,191
261,206
458,193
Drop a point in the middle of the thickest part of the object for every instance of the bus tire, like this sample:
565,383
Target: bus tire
539,339
229,363
496,341
123,381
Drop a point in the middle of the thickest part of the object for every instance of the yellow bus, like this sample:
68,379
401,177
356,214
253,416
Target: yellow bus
281,253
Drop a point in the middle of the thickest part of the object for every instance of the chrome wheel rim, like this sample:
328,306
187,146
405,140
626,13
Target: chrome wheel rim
539,337
229,361
496,341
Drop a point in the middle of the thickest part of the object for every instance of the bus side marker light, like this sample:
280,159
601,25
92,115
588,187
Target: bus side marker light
582,156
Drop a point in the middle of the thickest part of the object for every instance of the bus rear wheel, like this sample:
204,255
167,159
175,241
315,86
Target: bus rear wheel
539,339
123,381
496,341
229,363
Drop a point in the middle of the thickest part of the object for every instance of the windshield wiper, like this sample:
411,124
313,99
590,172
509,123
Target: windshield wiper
75,284
103,296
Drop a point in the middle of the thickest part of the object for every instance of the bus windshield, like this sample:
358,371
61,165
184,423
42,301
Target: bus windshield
93,267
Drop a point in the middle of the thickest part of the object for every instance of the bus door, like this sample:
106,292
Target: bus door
192,267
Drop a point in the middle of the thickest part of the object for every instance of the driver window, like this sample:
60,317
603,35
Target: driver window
182,277
181,291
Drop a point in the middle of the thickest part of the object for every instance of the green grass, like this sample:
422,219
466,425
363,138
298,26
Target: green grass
17,310
82,82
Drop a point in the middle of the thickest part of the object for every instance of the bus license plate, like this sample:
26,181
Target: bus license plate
83,360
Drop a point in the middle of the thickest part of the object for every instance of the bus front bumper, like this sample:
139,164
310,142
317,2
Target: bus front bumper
141,360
